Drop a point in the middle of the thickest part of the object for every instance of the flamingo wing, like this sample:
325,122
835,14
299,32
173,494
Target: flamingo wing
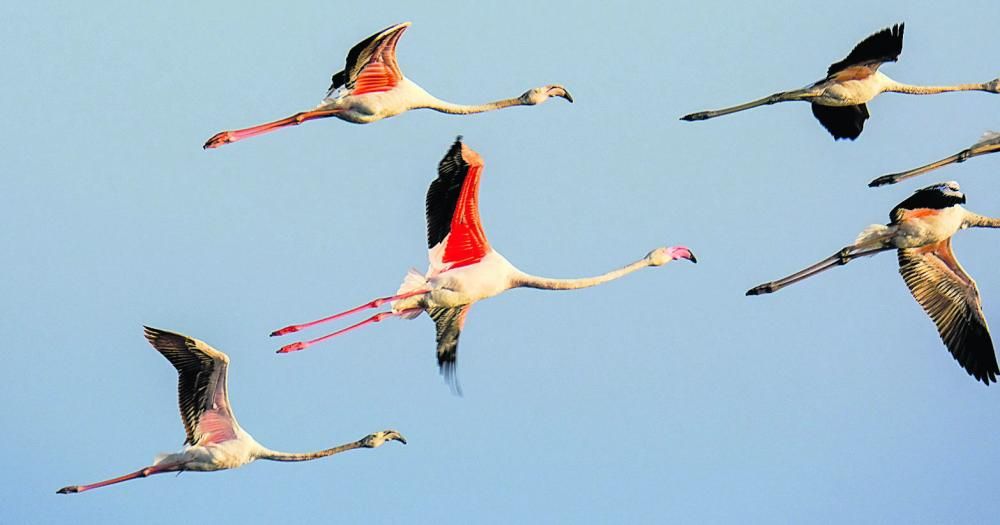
843,122
951,298
926,201
201,386
449,323
455,233
371,64
884,46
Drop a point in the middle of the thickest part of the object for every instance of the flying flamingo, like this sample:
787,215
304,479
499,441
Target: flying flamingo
988,143
838,101
920,229
215,441
372,87
463,267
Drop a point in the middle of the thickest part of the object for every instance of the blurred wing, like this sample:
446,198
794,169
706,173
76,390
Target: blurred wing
989,136
371,65
453,210
884,46
201,386
449,323
950,297
843,122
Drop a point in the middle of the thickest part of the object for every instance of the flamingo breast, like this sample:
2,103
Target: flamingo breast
853,91
926,226
370,107
468,284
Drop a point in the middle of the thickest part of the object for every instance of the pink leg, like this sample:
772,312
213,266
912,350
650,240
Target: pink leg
225,137
148,471
301,345
375,303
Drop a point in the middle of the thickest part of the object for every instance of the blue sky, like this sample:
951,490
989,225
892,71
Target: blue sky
665,396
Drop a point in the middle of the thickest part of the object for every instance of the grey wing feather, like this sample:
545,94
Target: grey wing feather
951,298
197,364
448,322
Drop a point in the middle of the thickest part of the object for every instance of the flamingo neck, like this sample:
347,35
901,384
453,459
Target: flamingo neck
897,87
974,220
531,281
274,455
463,109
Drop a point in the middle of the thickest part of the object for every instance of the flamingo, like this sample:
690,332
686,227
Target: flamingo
464,268
372,87
838,101
215,441
988,143
920,229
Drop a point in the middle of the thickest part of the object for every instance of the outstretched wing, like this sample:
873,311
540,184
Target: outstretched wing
843,122
449,323
371,65
455,234
884,46
201,386
950,297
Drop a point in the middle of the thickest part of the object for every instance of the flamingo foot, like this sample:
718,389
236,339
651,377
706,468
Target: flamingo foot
219,139
293,347
286,330
69,490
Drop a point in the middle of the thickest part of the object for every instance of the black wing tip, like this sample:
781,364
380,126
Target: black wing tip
449,372
453,157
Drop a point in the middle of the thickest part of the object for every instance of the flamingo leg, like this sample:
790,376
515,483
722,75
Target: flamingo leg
784,96
893,178
374,303
301,345
148,471
225,137
840,258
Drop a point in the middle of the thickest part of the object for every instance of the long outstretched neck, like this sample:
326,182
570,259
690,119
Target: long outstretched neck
274,455
897,87
462,109
530,281
974,220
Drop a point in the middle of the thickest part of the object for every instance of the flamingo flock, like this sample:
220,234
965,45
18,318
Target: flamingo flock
464,268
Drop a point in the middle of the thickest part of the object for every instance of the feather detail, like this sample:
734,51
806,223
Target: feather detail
988,137
874,236
413,281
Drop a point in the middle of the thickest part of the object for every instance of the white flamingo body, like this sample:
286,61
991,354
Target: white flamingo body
930,229
215,441
372,87
839,100
920,230
491,276
850,92
370,107
463,267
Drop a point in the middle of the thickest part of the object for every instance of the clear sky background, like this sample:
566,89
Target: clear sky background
666,396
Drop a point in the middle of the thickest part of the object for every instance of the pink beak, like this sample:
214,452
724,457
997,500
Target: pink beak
682,252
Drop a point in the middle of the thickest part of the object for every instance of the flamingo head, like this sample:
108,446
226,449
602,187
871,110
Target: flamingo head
377,439
661,256
993,86
541,94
